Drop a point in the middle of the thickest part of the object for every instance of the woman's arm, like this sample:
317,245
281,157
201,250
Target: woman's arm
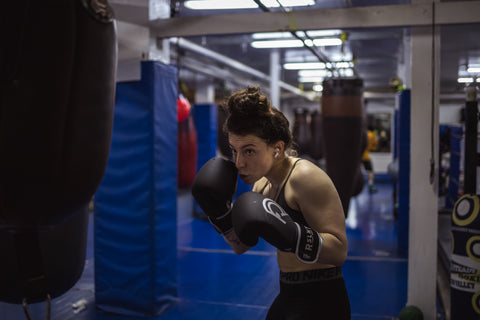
312,192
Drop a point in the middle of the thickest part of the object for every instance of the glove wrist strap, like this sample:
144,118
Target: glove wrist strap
309,244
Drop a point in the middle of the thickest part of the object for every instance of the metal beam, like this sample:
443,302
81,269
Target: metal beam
236,65
339,18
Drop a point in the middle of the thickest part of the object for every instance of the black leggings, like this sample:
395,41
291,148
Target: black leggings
314,294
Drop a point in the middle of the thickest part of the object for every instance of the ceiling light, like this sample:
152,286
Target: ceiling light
242,4
277,44
303,65
288,3
343,64
312,73
465,80
473,69
271,35
219,4
324,33
317,65
310,79
317,88
327,42
348,72
295,43
285,34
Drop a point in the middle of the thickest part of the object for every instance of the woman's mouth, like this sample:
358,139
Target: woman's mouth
245,179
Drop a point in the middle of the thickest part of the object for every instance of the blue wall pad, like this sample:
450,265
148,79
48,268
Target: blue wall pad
455,165
403,153
135,229
205,117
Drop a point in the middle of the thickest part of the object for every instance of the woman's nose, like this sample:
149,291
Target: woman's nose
239,161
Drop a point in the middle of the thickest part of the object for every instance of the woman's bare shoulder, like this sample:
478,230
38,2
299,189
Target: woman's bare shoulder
258,186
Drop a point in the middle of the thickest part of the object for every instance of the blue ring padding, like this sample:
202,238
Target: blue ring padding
135,206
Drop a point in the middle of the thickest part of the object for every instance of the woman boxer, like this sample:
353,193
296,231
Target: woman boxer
294,206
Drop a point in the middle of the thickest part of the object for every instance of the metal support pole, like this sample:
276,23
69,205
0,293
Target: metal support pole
471,124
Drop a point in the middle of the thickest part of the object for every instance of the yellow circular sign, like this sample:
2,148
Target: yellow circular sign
466,210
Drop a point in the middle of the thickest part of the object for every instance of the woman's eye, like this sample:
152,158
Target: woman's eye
249,152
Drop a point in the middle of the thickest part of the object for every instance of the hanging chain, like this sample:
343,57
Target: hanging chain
47,311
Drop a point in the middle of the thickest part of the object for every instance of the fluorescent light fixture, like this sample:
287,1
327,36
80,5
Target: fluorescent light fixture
271,35
343,64
295,43
324,33
341,56
346,72
310,33
310,79
277,44
242,4
288,3
473,69
465,80
317,65
312,73
219,4
303,65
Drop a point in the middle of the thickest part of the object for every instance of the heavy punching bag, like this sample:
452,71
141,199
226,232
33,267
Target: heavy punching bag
342,111
316,142
359,181
187,145
58,65
301,131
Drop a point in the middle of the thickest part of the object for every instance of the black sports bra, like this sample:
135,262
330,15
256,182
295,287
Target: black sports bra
296,215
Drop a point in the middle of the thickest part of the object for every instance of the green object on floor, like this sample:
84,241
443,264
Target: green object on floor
410,313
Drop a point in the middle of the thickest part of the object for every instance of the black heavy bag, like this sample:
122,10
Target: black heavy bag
316,142
301,131
359,181
342,111
57,64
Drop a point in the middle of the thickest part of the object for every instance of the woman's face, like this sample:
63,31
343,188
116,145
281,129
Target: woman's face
252,156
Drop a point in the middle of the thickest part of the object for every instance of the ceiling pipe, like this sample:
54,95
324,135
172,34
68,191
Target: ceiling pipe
188,45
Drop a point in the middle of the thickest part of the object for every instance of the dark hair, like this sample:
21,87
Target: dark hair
251,112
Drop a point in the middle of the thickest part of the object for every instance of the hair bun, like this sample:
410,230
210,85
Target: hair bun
249,102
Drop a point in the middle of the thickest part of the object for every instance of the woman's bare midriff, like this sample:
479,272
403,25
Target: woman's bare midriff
288,262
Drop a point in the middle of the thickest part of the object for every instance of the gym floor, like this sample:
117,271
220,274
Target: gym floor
214,283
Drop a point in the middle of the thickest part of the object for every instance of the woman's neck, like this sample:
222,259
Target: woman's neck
279,171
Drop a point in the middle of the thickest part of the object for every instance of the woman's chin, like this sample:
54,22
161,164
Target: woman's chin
246,179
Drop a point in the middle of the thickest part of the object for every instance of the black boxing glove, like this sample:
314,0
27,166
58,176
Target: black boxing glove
213,189
254,216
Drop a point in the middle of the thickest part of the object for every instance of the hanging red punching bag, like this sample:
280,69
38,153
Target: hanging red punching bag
183,108
342,110
301,131
56,111
187,145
